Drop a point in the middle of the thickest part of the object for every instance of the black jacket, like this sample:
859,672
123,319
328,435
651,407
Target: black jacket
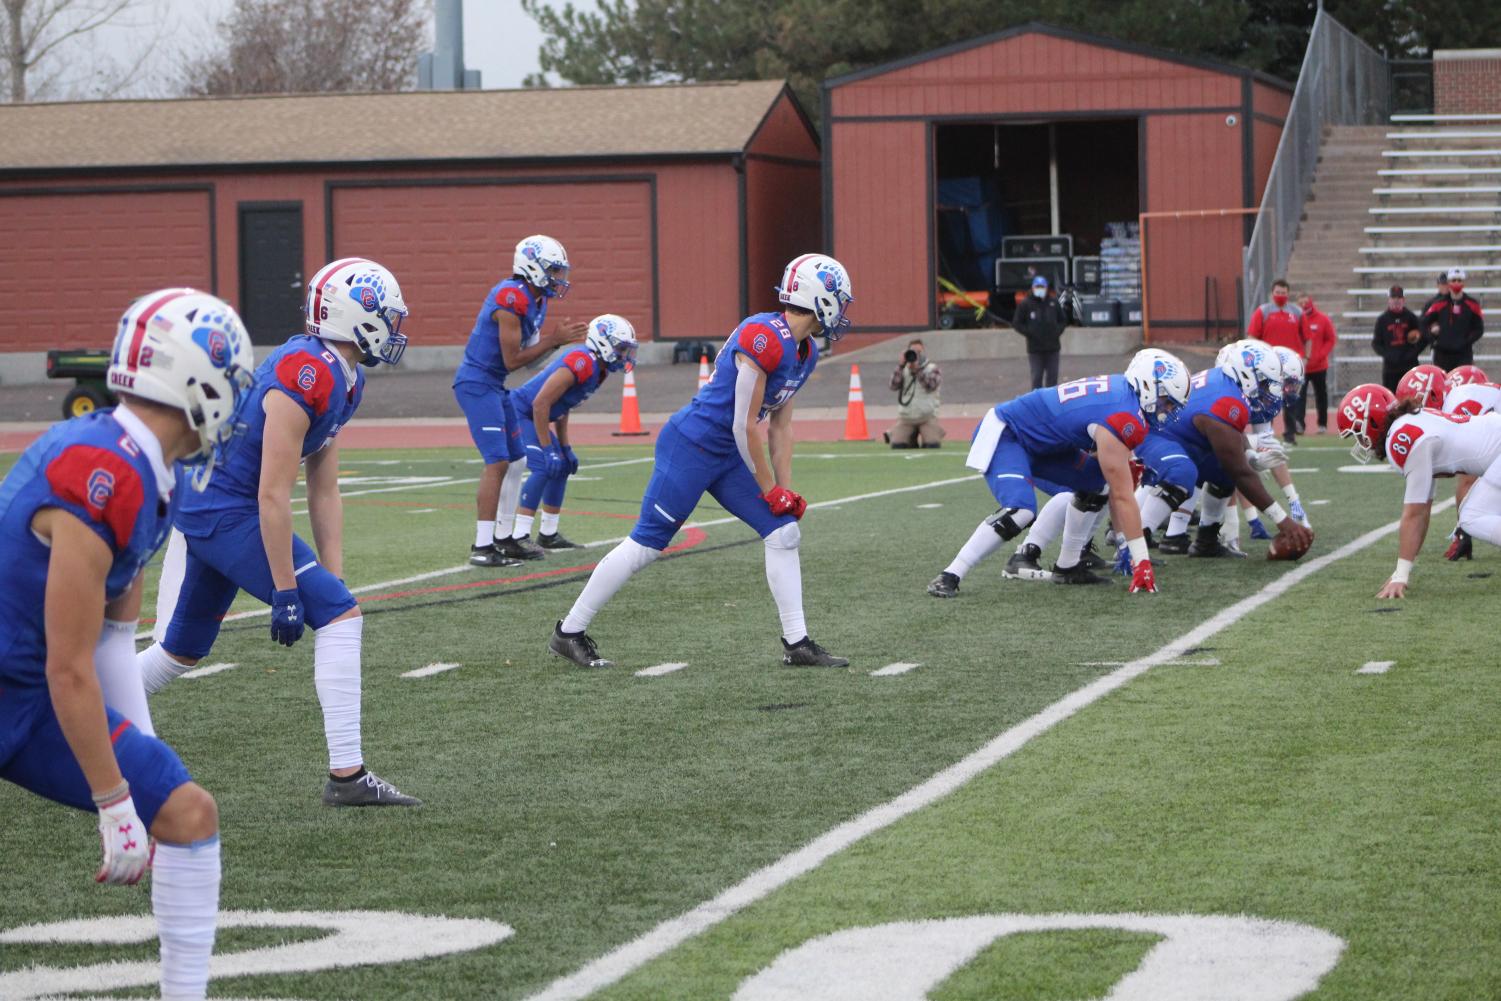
1041,322
1460,323
1389,339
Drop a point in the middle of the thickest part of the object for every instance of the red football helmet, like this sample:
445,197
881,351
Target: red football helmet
1362,415
1464,375
1425,383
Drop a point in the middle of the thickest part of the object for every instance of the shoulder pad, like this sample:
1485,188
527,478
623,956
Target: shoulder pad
580,363
1128,427
1233,411
513,299
101,483
763,344
308,378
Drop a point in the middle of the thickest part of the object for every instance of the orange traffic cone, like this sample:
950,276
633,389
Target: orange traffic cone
703,371
854,420
630,410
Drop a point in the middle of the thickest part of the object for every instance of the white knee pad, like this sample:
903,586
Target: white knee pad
789,536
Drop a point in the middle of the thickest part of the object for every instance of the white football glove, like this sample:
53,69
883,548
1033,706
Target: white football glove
1266,452
127,846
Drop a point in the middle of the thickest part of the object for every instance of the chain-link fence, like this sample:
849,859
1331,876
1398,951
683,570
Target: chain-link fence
1343,82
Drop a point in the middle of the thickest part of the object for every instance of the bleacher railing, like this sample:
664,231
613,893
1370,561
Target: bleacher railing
1343,81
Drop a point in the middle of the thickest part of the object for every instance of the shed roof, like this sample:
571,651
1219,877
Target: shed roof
1083,37
546,123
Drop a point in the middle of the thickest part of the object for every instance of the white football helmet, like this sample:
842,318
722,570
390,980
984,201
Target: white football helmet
820,285
613,341
1160,381
357,300
186,349
543,262
1292,371
1254,367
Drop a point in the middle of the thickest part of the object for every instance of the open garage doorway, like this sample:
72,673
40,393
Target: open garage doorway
994,181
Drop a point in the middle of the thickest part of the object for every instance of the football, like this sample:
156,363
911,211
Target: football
1281,549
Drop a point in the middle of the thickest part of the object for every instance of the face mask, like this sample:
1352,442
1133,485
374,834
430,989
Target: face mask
1040,293
1457,288
1280,298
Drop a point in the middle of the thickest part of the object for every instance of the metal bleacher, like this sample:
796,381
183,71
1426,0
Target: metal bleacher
1438,206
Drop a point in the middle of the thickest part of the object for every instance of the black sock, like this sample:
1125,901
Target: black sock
349,778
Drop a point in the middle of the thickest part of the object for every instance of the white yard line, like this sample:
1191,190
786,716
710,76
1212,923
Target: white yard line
464,567
621,962
204,672
1376,667
900,667
429,670
658,670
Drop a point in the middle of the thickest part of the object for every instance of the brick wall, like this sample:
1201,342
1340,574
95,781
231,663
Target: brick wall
1466,81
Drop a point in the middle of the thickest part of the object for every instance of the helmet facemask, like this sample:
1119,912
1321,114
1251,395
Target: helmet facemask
216,421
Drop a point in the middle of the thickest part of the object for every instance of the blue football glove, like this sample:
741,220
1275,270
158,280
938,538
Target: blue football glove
556,463
573,460
287,621
1123,560
536,460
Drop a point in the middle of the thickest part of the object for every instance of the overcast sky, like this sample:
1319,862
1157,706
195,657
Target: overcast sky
499,40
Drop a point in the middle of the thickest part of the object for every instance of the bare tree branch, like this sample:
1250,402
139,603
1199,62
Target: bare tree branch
34,29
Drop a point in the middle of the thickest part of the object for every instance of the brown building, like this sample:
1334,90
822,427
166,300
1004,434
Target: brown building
1065,131
678,204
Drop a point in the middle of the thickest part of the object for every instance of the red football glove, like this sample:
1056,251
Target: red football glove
783,501
1142,578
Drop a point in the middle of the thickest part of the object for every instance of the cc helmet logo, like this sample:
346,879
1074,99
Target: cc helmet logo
605,326
1161,369
101,487
215,344
830,282
307,377
367,298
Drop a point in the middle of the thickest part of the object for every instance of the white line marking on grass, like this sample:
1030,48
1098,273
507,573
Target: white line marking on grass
900,667
928,507
429,670
658,670
1319,502
465,567
1372,468
1376,667
204,672
622,961
1304,469
422,510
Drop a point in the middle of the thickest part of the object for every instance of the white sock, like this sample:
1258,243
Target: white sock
1177,523
981,544
1049,521
550,522
619,566
510,499
1230,528
116,664
784,574
1155,510
523,528
1077,527
1291,493
484,533
336,676
174,569
185,900
158,668
1212,510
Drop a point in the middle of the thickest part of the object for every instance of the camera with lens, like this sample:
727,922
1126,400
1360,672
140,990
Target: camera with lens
909,356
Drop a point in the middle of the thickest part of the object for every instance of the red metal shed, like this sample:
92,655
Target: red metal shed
678,204
1145,130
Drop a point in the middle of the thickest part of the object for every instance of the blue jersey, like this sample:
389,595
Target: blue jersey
1056,420
708,419
307,371
483,361
1214,393
93,469
588,375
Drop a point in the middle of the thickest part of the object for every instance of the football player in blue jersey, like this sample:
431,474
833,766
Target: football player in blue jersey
1270,455
1211,430
714,445
81,513
542,408
237,534
508,335
1049,435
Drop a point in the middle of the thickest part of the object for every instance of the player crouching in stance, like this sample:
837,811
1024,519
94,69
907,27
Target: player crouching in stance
1211,432
237,534
1045,436
1468,392
508,335
542,408
1421,445
714,444
81,513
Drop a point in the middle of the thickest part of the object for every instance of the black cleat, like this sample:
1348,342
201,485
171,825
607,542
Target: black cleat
945,585
1460,547
1147,534
1173,545
367,790
1092,560
1024,565
1207,545
489,556
806,653
519,549
556,541
1077,574
577,647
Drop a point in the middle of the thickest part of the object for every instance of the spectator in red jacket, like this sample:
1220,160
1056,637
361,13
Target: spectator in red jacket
1318,336
1278,322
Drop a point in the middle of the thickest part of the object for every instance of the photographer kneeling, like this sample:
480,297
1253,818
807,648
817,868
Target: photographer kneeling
915,383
